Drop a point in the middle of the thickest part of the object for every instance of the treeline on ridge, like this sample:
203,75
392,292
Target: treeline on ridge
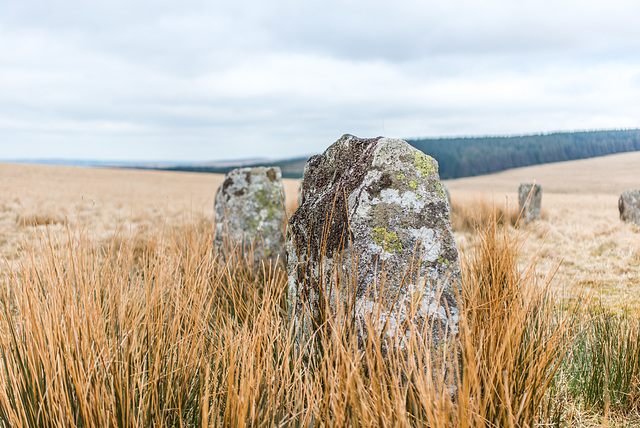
465,157
469,156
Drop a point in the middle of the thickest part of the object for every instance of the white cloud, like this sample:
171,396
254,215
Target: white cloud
227,79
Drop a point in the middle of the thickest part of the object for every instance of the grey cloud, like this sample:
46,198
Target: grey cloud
225,79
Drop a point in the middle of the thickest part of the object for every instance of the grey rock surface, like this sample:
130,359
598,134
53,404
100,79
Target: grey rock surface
629,206
373,212
249,211
530,201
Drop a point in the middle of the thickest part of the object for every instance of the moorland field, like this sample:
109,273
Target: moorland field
116,311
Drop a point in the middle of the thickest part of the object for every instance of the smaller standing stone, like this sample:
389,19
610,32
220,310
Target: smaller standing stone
629,206
530,200
249,210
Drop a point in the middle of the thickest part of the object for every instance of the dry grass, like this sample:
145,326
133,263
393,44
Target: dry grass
157,330
122,314
468,216
580,229
102,200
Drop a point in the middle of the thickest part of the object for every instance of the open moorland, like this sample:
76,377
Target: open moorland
580,233
115,310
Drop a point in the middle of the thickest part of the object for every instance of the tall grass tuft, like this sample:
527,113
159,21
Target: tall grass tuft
604,365
513,339
159,330
480,214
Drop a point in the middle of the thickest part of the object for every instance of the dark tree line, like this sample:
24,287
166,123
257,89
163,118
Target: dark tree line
464,157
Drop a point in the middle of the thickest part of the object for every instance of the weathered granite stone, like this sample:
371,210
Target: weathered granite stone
249,211
374,214
530,200
629,206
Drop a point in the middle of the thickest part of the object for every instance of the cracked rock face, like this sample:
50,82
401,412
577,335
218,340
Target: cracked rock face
629,206
373,211
530,200
249,210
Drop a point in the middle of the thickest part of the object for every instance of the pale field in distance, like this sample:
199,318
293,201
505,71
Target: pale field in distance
580,234
36,198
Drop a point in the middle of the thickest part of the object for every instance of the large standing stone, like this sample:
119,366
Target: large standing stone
374,213
629,206
530,200
249,211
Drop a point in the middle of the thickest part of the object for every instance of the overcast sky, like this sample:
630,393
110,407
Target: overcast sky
203,80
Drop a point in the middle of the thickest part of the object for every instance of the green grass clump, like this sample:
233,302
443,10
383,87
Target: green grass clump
604,365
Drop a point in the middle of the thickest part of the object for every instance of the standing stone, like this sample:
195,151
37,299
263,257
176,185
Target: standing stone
374,214
249,211
629,206
530,200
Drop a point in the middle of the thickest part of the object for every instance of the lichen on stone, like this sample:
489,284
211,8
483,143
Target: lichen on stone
387,240
423,163
249,213
400,176
413,185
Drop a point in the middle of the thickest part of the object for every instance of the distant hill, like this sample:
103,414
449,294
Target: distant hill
471,156
291,168
466,157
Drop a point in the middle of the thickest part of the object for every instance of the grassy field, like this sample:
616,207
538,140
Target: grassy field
580,233
101,200
116,311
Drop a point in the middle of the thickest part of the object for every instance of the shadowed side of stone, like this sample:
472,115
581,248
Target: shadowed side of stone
530,201
629,206
373,213
249,212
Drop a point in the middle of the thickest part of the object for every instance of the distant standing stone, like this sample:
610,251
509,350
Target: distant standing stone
249,210
373,211
629,206
530,200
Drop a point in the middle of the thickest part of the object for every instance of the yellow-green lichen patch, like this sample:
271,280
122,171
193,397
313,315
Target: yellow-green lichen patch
440,190
442,260
268,200
387,240
400,176
423,163
413,184
254,228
